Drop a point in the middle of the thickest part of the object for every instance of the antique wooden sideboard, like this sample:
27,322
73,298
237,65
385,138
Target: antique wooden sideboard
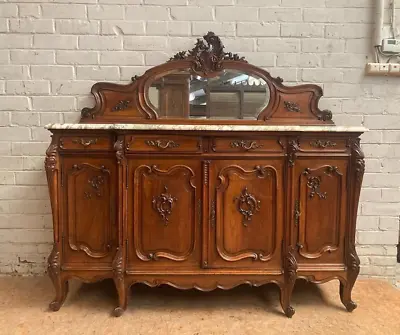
205,172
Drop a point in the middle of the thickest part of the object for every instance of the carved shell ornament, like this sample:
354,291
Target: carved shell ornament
207,54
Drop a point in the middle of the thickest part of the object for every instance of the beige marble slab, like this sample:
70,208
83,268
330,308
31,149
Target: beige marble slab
203,127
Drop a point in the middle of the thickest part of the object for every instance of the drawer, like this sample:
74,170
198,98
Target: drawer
85,143
164,143
310,144
243,145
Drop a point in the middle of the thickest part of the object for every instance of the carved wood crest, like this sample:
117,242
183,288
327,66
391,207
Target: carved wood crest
116,103
208,54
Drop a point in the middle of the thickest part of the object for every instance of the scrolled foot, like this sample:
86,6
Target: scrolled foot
118,311
350,306
55,306
289,311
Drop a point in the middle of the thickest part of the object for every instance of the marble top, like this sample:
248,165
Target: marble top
203,127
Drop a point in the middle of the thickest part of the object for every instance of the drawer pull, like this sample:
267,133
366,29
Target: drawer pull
85,143
162,144
246,145
322,144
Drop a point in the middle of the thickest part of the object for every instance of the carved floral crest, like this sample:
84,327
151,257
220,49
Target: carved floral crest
208,54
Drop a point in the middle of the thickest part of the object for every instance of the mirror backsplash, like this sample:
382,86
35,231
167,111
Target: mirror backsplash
230,95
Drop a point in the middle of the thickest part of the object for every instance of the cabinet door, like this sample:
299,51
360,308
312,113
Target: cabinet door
164,213
246,214
89,194
320,209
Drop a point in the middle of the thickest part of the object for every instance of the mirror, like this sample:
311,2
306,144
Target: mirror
231,94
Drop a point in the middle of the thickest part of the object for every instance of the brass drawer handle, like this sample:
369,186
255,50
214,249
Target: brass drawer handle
160,144
246,145
85,143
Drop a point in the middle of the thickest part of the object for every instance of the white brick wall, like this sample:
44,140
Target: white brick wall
51,54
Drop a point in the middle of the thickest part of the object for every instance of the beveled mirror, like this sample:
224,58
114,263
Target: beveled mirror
231,94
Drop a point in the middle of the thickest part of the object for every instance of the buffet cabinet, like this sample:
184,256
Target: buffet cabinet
204,203
204,210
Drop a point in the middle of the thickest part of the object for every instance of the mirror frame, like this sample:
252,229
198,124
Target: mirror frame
264,89
294,105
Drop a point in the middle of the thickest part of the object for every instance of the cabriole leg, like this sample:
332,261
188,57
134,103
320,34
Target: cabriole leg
353,269
285,296
290,265
62,288
122,290
61,285
119,280
345,295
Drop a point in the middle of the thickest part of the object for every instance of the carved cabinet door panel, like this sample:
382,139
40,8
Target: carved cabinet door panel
89,197
320,209
164,214
246,214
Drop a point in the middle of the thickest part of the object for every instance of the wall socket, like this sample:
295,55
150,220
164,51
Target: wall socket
383,69
377,69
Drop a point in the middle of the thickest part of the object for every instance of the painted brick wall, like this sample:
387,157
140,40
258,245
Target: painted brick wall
51,54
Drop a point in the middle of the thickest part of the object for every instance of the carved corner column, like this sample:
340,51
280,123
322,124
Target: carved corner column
118,264
52,167
352,260
290,267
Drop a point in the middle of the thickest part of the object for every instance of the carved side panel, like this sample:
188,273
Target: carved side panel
90,215
244,213
165,214
321,209
52,170
358,169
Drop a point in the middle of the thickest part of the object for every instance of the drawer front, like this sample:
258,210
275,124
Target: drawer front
85,143
310,144
247,145
164,143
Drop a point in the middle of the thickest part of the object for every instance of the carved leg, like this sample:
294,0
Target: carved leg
345,296
122,290
290,279
119,280
286,294
353,269
62,288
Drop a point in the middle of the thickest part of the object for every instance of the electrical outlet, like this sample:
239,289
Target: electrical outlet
394,69
384,68
391,45
373,68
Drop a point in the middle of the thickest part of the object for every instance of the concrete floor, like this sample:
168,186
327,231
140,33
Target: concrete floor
165,311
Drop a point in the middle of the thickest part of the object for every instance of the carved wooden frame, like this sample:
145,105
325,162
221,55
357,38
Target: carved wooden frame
130,103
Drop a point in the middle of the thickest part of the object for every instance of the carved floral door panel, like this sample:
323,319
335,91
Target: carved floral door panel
320,209
89,195
164,213
246,214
